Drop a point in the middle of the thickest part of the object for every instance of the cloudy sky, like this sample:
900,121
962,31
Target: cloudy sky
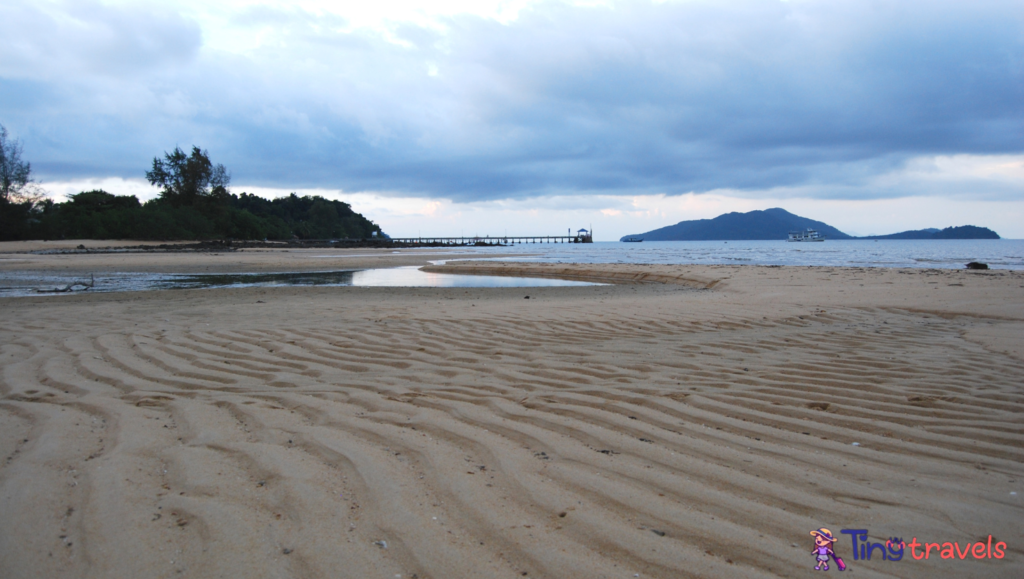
481,116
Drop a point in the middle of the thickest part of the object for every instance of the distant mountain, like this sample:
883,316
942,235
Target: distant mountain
768,224
966,232
915,234
962,232
777,223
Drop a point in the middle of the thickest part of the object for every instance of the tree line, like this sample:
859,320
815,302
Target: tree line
194,203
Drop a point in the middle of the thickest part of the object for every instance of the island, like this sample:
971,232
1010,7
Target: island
777,223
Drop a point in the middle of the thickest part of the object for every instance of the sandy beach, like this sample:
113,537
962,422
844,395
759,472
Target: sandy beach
684,421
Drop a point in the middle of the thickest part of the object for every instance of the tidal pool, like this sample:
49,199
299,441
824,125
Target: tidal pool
36,283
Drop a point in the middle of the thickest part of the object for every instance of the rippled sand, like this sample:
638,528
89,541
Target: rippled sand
691,421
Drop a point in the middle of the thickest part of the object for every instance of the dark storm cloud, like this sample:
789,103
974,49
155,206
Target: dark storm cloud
642,98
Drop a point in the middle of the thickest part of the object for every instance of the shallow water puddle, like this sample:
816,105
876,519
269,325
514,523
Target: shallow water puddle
34,283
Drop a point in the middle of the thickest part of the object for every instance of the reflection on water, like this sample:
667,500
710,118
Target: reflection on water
413,277
30,283
199,281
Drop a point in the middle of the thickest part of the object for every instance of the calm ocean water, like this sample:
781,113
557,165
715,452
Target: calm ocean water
997,253
945,254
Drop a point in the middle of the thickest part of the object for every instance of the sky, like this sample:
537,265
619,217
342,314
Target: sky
482,117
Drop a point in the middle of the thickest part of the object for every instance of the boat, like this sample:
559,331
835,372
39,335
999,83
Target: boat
809,235
632,239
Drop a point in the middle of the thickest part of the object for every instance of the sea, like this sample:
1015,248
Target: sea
941,254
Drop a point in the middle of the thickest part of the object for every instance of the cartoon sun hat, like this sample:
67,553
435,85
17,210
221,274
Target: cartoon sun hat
825,534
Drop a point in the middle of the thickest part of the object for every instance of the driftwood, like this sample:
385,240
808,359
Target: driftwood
70,286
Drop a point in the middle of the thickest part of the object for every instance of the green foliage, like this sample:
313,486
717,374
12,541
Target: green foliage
100,215
308,217
94,215
189,180
194,204
14,173
17,220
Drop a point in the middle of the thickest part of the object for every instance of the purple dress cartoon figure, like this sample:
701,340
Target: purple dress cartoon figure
823,541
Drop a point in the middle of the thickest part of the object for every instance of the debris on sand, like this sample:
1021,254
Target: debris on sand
70,287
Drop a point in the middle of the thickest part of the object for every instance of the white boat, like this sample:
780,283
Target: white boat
809,235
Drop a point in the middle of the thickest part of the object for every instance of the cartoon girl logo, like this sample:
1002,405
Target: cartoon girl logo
823,541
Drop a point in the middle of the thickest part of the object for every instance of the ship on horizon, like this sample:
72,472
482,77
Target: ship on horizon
809,235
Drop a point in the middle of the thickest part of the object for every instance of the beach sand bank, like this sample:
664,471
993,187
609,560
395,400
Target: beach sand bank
688,421
33,256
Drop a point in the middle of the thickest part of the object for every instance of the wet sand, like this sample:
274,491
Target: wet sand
687,421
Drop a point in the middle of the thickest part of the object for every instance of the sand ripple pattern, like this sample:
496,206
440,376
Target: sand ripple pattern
502,446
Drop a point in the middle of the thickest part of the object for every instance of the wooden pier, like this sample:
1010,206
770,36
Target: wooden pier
504,240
